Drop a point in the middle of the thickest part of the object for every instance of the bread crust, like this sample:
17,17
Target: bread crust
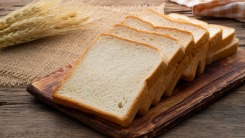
177,75
217,44
226,51
187,48
178,55
213,40
205,35
224,41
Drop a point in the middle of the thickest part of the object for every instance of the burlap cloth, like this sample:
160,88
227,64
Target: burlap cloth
26,62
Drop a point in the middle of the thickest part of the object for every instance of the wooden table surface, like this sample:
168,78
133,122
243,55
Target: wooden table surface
21,115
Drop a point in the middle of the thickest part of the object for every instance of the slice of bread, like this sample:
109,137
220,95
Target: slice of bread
111,79
200,34
215,32
184,38
167,45
226,51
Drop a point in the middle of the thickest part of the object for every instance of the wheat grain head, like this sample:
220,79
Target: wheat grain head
40,19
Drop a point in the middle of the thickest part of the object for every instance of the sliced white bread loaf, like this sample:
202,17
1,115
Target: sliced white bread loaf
225,51
111,79
167,45
184,38
200,34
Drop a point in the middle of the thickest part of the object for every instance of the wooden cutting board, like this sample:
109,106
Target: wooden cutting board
219,78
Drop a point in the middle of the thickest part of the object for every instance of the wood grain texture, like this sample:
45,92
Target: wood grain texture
219,78
21,115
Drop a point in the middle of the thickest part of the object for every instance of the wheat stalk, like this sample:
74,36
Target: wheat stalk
40,19
36,8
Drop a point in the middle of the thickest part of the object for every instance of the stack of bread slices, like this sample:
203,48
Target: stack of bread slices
129,69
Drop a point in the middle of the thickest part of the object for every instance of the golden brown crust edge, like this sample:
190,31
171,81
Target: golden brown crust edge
224,53
205,35
189,47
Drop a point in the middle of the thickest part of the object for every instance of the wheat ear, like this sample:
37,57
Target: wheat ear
40,19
